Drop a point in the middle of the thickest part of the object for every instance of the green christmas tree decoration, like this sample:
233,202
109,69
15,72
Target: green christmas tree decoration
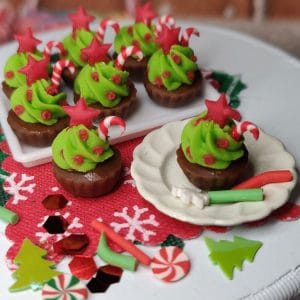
173,240
33,269
230,85
229,255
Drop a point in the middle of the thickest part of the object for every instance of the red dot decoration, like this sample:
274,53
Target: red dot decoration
166,74
78,159
98,150
19,109
194,58
116,79
158,81
136,43
177,59
209,159
46,115
191,75
95,76
9,74
83,135
148,37
29,95
222,143
130,30
111,95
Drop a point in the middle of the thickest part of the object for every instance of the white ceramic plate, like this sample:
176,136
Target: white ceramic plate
147,116
155,171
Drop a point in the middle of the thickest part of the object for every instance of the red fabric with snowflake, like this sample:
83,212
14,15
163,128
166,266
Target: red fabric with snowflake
124,210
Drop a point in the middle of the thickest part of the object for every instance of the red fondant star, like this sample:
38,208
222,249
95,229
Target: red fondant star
220,112
35,69
95,52
81,113
145,13
27,42
80,19
168,37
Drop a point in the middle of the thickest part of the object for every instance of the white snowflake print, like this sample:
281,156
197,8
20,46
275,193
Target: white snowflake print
16,189
129,181
135,223
126,171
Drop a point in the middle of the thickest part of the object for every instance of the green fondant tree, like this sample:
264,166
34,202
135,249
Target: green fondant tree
33,269
229,255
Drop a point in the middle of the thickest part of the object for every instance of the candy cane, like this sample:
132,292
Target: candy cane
129,51
102,28
52,44
186,35
56,74
106,123
164,20
242,127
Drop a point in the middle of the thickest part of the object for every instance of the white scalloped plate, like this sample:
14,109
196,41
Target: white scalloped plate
155,171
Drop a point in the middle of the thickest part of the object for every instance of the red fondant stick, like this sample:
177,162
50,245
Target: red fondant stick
125,244
265,178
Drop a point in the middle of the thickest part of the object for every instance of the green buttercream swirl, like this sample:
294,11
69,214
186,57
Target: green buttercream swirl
68,145
97,90
160,63
139,30
14,63
40,101
201,139
74,45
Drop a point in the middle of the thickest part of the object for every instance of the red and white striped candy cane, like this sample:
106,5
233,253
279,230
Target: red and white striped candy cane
242,127
102,28
53,44
107,122
57,71
186,35
164,20
129,51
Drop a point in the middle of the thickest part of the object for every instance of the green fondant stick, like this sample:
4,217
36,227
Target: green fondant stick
8,216
231,196
116,259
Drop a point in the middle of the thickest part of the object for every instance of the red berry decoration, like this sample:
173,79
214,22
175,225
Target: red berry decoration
222,143
78,159
83,135
9,74
177,59
29,95
148,37
111,95
130,30
19,109
98,150
209,159
95,76
158,81
116,79
191,75
166,74
46,115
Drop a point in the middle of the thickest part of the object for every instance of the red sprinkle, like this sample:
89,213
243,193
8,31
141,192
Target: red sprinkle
209,159
116,79
46,114
148,37
83,134
111,95
190,74
95,76
222,143
51,90
177,59
194,58
98,150
29,95
130,30
158,81
9,74
78,159
135,43
19,109
166,74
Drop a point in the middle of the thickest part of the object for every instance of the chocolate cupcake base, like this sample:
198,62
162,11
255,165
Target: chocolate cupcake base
180,97
94,183
211,179
136,68
7,90
35,134
123,109
68,77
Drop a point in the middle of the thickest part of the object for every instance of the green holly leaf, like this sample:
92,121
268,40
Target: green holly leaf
229,255
173,240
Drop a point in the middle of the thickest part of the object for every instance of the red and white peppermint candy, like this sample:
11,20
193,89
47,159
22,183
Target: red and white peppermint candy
164,20
108,122
129,51
170,264
64,287
57,71
186,35
103,25
53,44
242,127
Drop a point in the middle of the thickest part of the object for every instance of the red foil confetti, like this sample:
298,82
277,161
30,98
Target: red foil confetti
71,245
83,267
56,224
56,201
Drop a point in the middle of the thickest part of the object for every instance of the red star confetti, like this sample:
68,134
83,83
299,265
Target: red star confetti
81,113
145,13
95,52
80,19
168,37
27,42
35,70
220,112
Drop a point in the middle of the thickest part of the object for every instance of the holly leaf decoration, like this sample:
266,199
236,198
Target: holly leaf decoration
229,255
173,240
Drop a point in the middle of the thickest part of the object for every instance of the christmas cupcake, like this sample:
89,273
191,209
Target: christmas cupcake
36,116
103,83
212,154
83,161
80,38
173,78
142,35
27,45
